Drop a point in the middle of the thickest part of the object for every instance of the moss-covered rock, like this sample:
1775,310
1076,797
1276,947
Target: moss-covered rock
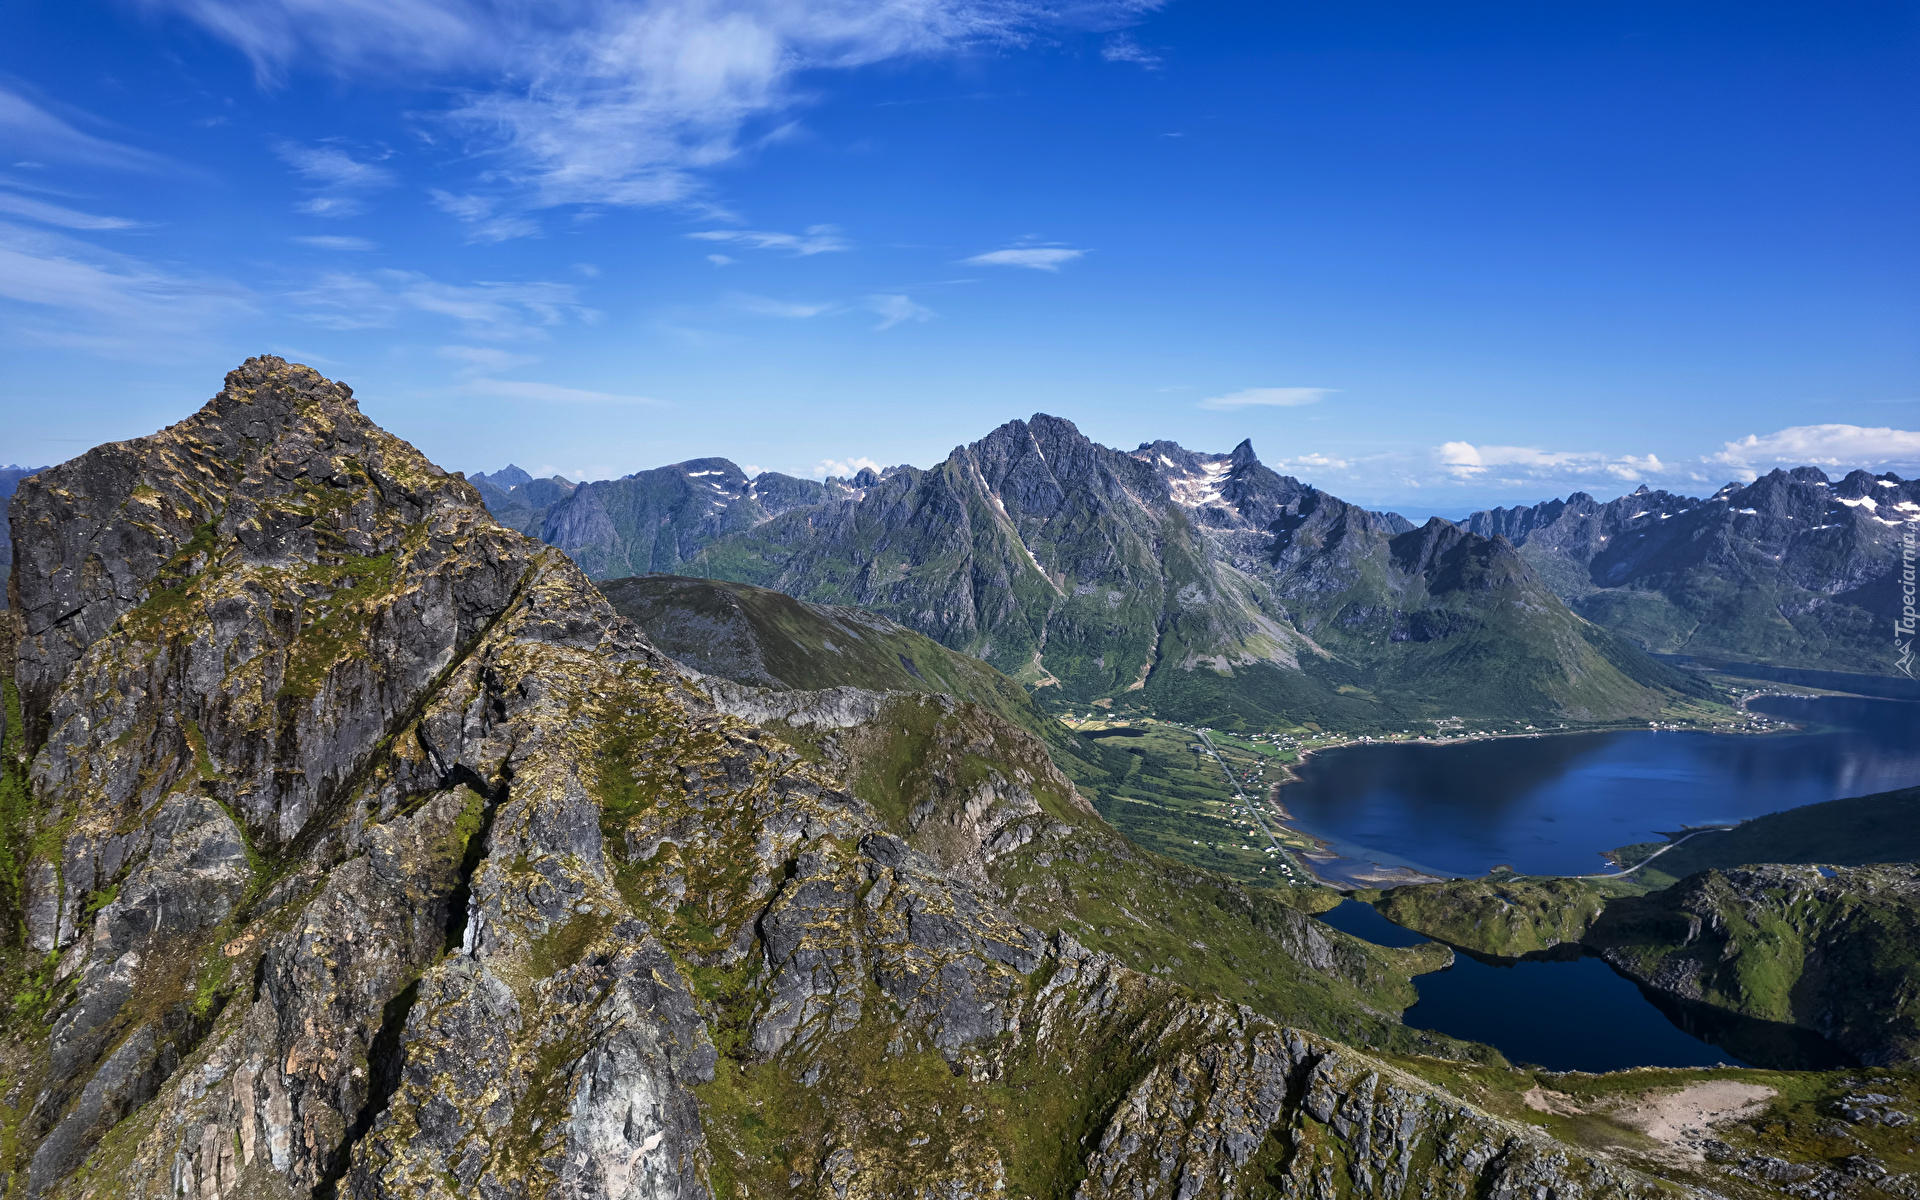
1836,950
1507,916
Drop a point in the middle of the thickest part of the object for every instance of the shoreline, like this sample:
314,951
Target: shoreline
1378,874
1330,868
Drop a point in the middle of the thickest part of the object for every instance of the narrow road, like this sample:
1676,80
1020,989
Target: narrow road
1649,858
1295,873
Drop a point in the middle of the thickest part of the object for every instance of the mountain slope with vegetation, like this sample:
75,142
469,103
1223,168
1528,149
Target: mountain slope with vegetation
1794,569
357,847
1832,949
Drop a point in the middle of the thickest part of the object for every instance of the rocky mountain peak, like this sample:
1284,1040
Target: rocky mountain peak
279,472
506,478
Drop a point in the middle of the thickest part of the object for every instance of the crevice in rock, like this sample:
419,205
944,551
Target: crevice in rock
333,803
458,904
386,1060
387,1057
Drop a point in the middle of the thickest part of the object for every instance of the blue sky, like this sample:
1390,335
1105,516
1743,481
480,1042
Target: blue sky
1431,256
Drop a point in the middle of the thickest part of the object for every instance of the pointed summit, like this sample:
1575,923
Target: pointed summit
1243,454
506,478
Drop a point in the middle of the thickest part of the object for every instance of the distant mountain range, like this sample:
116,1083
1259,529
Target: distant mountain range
1793,569
650,521
1203,585
1078,567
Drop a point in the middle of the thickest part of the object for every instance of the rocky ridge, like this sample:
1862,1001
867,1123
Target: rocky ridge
370,853
1793,569
658,520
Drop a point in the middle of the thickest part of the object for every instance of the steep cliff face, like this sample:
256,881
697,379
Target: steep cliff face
1795,568
368,852
10,477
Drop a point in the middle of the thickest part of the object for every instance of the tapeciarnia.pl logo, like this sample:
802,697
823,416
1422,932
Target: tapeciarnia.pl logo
1903,624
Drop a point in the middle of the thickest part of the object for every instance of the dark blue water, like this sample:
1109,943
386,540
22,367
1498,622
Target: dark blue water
1578,1014
1551,805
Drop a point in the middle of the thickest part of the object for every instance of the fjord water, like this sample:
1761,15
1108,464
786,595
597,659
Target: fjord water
1552,804
1579,1014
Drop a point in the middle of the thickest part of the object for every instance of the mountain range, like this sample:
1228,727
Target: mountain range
353,845
1794,569
1208,586
1204,586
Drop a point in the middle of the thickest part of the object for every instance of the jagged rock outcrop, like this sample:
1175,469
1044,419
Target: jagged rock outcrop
1255,1110
10,477
371,853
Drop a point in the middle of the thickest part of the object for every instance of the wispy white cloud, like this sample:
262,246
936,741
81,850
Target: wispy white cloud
54,214
1312,461
1466,461
1831,446
485,360
495,311
818,239
844,469
1038,258
1121,47
483,218
340,181
356,244
69,293
548,393
722,260
619,102
29,128
892,310
1278,397
762,306
1822,446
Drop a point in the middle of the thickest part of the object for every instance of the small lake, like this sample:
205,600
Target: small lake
1550,805
1579,1014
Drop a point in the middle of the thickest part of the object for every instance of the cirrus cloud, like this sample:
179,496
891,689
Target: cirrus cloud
1037,258
1277,397
818,239
618,102
343,300
548,393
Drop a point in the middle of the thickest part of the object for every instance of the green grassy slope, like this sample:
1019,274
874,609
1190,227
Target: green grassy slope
1833,950
1883,827
757,636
